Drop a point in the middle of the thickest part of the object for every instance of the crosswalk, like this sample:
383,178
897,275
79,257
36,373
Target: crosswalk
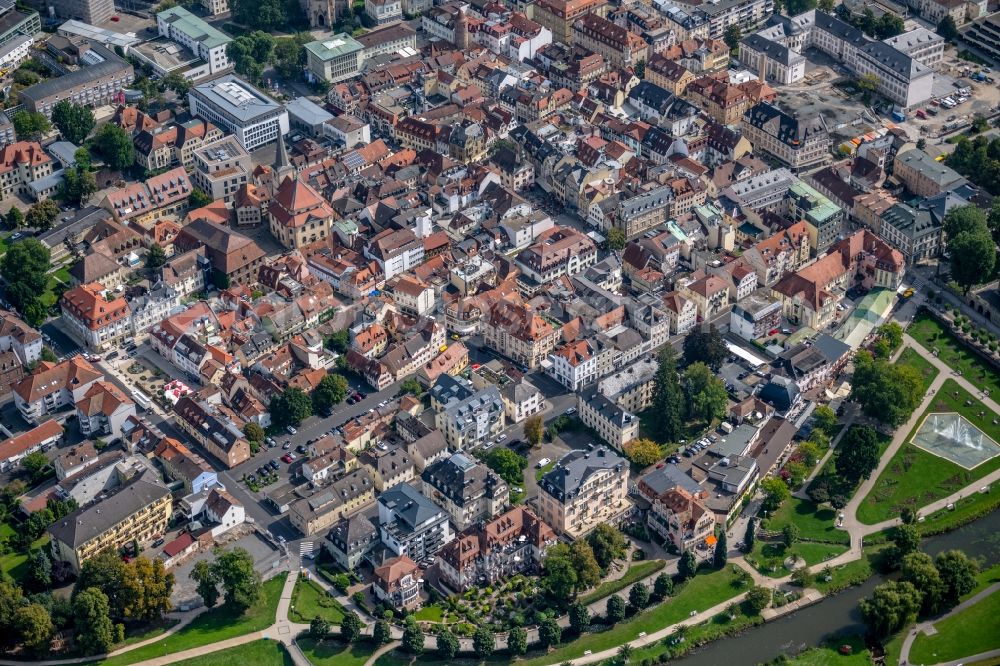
306,549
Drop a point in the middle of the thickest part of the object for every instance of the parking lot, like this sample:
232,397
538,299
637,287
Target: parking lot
265,558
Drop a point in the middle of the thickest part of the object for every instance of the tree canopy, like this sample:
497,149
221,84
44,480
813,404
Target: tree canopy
607,543
75,122
978,159
859,453
642,452
706,347
886,391
891,607
30,125
115,145
508,465
668,400
290,407
704,393
331,391
25,269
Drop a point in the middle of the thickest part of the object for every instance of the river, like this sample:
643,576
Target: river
837,615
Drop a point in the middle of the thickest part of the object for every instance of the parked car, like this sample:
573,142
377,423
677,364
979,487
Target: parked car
542,463
287,458
502,437
286,446
571,410
159,542
291,430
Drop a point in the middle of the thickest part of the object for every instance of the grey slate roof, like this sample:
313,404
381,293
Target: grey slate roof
576,467
409,505
91,521
110,64
668,477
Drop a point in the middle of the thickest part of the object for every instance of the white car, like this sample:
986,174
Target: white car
542,463
502,437
291,430
571,410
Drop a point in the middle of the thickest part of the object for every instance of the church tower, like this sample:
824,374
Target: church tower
462,29
282,165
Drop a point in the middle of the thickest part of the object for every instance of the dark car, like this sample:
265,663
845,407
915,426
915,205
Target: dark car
159,542
361,396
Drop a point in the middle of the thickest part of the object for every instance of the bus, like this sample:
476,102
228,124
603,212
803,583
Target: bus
141,399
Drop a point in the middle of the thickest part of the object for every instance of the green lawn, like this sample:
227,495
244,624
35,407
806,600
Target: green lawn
915,360
258,653
141,634
699,594
334,653
852,573
915,477
431,613
539,473
828,473
636,572
964,511
928,332
769,558
829,654
15,564
210,627
310,600
815,523
971,631
63,275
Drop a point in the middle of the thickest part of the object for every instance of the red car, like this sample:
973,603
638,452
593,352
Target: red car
287,458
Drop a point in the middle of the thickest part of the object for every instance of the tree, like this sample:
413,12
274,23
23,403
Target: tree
921,143
177,82
973,257
758,598
559,577
78,185
668,398
15,218
706,347
687,567
775,492
291,407
267,14
75,122
483,642
447,644
615,609
155,257
413,637
115,145
34,626
859,454
750,536
918,568
508,465
517,640
251,53
643,452
732,36
892,606
588,571
705,394
721,554
207,580
663,586
319,628
199,198
624,653
241,584
906,540
608,544
289,56
339,341
579,617
616,239
948,29
411,386
886,391
30,125
95,633
803,577
549,633
958,575
39,570
382,633
34,464
534,429
332,390
40,216
868,84
790,534
111,576
11,598
965,218
253,432
638,596
825,419
155,586
350,627
825,6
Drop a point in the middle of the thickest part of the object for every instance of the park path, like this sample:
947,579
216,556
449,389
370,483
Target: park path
381,651
802,493
928,626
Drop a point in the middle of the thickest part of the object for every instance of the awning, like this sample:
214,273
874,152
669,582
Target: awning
711,540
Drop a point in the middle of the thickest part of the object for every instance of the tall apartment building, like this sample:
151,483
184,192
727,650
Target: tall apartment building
205,41
410,524
518,332
584,490
138,511
746,14
469,491
221,168
335,59
240,109
472,420
100,82
88,11
799,143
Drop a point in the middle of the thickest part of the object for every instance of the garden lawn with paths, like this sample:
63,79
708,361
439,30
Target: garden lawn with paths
636,572
429,613
333,652
971,631
928,371
698,594
219,624
815,523
926,330
915,477
262,652
309,600
15,563
769,558
828,472
851,573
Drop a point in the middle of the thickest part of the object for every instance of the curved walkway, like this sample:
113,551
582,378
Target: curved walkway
921,628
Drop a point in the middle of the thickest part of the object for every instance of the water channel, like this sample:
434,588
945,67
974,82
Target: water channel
838,614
